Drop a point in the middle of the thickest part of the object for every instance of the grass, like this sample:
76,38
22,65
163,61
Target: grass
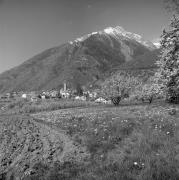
129,142
126,143
25,106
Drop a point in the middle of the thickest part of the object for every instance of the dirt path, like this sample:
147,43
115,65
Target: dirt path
25,141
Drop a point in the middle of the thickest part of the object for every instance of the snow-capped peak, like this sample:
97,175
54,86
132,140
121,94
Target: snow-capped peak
116,30
94,33
85,37
109,30
120,31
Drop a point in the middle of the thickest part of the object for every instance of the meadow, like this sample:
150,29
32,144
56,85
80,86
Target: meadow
137,141
25,106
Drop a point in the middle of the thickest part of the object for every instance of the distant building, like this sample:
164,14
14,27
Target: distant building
43,96
24,96
55,94
29,95
34,99
64,92
82,98
93,94
101,100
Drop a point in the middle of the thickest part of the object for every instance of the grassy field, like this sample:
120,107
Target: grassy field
129,142
24,106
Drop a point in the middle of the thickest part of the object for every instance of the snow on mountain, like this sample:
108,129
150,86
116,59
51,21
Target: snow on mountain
85,37
119,32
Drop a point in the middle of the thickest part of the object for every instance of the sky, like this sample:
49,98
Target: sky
28,27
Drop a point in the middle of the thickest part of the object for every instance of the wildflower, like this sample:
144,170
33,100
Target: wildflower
96,130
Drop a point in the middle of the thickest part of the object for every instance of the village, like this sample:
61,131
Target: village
63,93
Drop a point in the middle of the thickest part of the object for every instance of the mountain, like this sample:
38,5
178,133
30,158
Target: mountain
118,31
82,62
144,61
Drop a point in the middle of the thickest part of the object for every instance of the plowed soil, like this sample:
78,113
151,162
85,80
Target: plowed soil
25,141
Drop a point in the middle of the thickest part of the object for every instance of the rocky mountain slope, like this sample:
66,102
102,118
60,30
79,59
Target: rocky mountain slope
83,61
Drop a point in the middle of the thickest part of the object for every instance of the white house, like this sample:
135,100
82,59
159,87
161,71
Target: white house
101,100
43,96
93,95
34,99
24,96
82,98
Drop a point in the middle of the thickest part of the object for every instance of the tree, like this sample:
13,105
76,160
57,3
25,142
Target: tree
168,73
118,86
147,91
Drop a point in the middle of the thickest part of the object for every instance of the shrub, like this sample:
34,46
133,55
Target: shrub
116,100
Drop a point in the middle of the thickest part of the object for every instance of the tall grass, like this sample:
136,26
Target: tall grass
24,106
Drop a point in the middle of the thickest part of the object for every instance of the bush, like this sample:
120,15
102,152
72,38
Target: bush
116,100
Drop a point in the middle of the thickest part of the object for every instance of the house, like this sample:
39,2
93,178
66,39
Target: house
43,96
101,100
34,99
24,96
64,94
93,95
108,102
29,95
55,94
82,98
